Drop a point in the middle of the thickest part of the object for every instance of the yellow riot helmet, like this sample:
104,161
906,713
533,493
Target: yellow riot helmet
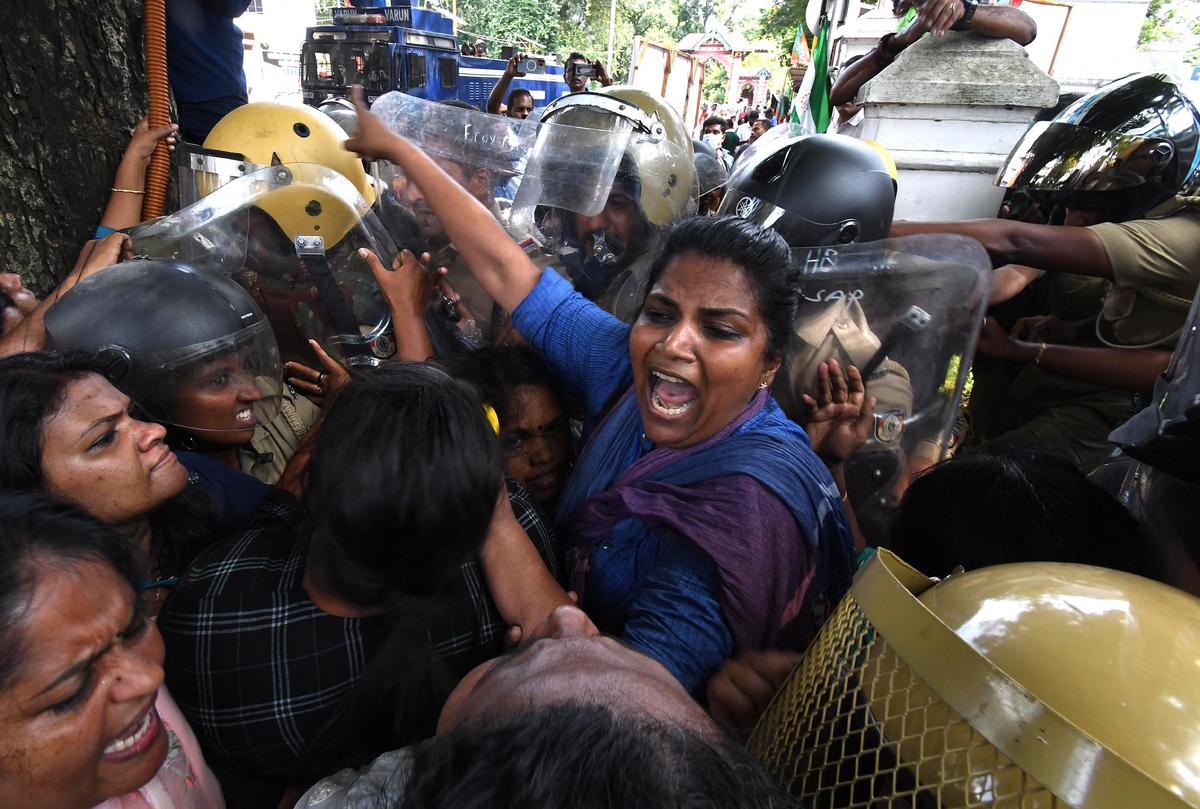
888,160
268,133
660,147
1028,686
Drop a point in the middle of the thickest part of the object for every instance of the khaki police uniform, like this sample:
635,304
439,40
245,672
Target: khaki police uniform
275,442
841,332
1156,269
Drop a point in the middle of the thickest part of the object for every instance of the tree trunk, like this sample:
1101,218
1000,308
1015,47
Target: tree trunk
75,84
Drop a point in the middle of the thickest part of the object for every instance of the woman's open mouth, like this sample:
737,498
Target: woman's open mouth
245,418
670,396
136,738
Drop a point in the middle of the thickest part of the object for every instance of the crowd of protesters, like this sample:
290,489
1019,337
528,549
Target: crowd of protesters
524,468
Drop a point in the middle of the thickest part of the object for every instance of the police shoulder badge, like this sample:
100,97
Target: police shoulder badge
889,425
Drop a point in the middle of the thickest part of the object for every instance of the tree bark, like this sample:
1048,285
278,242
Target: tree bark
75,84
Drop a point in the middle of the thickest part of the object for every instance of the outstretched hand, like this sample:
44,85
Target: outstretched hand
97,254
408,285
372,140
319,384
840,416
740,692
994,341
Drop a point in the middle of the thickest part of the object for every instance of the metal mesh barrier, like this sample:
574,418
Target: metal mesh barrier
855,727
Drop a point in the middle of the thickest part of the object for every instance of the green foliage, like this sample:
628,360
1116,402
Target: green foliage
322,7
779,23
563,26
1173,21
716,82
691,15
1159,15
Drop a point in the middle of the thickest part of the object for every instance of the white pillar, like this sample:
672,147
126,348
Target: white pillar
950,109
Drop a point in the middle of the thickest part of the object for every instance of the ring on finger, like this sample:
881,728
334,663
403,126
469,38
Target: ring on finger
320,380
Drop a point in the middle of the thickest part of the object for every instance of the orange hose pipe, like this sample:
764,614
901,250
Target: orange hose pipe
160,106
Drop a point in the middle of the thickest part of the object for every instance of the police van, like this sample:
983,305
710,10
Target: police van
406,47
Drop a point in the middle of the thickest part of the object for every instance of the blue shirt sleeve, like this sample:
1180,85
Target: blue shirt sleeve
586,347
676,617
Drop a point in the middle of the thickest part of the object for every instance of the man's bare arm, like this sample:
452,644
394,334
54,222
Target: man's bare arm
1004,22
1054,248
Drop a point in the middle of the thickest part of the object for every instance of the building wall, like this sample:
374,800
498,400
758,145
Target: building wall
274,31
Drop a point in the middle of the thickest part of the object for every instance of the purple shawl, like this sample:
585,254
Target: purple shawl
754,498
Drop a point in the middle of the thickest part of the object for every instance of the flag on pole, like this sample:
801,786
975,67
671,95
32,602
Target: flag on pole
799,46
812,110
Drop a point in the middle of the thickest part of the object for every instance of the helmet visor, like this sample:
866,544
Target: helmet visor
574,161
290,235
1054,156
202,171
222,386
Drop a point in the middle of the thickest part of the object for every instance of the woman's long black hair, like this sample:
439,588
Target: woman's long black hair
32,389
400,491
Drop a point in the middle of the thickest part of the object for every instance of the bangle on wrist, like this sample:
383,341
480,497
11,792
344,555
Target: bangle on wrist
127,190
1037,359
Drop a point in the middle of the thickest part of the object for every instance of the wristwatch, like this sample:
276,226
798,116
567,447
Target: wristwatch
964,22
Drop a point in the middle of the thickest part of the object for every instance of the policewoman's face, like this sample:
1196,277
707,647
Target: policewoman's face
698,349
216,401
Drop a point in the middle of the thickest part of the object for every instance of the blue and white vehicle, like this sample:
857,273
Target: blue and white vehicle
405,47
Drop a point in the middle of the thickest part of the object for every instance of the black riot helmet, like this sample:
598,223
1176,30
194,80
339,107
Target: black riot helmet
1132,142
814,190
710,170
163,330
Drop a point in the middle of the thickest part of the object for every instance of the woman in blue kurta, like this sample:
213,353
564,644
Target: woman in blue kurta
700,520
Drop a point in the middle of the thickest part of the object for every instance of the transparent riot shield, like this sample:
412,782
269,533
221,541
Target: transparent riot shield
486,155
603,184
905,312
290,234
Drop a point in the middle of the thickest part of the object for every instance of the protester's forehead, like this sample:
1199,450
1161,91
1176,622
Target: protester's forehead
599,670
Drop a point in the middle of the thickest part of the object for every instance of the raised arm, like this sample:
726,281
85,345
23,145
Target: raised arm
854,76
1054,248
1004,22
124,209
998,22
496,97
30,333
500,266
